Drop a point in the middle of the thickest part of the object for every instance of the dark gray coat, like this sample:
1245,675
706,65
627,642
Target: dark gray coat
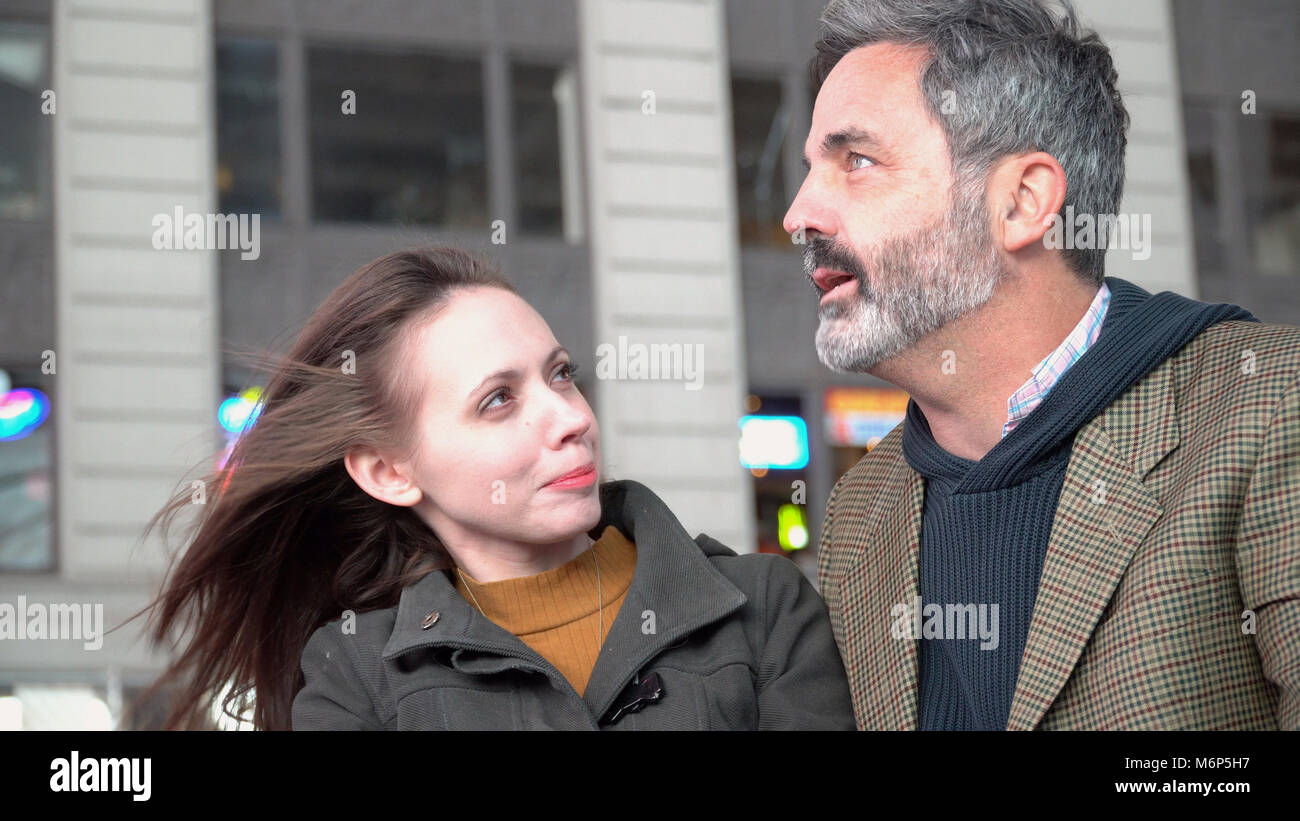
736,642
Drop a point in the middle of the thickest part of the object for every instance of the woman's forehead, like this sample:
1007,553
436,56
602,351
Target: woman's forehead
481,330
481,313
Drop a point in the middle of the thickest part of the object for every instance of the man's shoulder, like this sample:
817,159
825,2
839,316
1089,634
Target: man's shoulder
1216,394
1237,363
877,483
879,465
1239,341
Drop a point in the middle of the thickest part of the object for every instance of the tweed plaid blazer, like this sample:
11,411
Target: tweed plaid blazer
1170,591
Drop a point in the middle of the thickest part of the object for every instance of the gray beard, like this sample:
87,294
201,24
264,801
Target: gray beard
922,282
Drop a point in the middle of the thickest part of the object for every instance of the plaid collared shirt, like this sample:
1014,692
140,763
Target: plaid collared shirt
1045,375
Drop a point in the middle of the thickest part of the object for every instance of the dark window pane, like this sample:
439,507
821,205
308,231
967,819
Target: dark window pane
24,129
535,119
248,126
1273,201
759,122
26,472
414,150
1198,124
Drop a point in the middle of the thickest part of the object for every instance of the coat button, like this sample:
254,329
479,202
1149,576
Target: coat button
429,620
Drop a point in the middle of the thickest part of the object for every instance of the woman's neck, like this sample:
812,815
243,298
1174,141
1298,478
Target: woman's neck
496,560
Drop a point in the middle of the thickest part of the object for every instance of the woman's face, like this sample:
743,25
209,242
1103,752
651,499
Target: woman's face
500,420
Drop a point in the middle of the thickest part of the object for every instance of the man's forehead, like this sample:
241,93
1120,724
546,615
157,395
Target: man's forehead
865,91
883,61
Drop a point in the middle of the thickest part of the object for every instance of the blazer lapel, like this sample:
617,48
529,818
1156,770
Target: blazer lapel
883,668
1104,514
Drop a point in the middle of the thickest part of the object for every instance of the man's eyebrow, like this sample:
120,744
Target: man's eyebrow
847,136
511,372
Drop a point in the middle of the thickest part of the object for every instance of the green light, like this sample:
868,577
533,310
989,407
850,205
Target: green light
791,527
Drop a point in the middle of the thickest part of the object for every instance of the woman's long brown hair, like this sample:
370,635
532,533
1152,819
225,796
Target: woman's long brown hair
285,540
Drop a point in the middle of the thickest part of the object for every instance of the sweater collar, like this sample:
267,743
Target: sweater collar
594,579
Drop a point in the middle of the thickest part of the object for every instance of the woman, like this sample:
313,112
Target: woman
413,536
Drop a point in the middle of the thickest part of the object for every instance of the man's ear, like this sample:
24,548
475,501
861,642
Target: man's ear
1029,191
381,478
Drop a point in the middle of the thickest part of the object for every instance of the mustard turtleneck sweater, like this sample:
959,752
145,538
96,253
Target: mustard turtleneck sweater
555,612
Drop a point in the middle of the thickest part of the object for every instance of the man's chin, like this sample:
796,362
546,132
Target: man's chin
839,344
834,356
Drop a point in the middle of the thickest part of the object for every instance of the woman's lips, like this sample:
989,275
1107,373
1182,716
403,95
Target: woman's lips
578,479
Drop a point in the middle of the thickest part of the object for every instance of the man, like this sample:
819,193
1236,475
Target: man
1090,516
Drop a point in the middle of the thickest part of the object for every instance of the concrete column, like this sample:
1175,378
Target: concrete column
665,262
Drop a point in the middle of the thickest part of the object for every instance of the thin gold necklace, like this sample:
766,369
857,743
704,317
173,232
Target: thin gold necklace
600,599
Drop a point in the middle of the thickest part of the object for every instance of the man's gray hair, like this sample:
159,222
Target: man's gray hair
1005,77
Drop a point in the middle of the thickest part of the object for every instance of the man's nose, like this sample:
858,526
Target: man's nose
808,212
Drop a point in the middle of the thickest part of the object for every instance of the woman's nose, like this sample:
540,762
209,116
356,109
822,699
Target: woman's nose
568,419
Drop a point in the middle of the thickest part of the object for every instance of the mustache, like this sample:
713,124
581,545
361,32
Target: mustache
825,253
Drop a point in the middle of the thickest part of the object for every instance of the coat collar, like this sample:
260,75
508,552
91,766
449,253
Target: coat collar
1103,514
675,590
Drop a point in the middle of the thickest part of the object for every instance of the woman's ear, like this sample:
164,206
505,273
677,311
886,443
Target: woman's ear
380,478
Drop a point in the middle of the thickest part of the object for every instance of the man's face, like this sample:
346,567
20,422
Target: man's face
892,249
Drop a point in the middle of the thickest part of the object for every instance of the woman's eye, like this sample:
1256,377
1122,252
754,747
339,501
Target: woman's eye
490,404
568,369
853,161
565,372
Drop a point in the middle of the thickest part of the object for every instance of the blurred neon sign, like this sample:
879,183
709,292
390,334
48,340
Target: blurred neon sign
779,442
22,410
239,412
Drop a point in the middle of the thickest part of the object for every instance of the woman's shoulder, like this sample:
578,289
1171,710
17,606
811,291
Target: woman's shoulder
782,606
752,571
628,504
342,665
359,636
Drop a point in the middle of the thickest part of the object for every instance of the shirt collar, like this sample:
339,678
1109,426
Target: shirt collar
1047,373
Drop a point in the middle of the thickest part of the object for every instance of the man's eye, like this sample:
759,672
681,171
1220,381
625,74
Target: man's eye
854,158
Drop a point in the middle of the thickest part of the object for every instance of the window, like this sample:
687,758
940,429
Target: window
1199,127
396,137
1273,200
248,127
759,122
1268,156
25,135
545,150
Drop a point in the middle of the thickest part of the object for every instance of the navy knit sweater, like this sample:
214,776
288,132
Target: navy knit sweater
986,524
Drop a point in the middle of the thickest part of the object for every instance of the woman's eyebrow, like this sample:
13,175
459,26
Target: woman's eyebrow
511,372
